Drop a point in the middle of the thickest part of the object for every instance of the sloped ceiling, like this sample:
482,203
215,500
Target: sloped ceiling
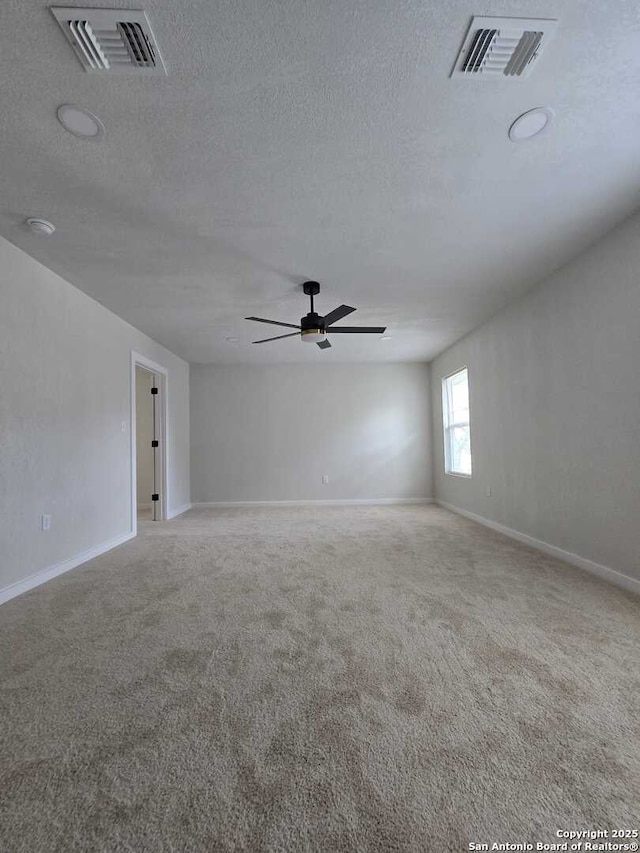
323,140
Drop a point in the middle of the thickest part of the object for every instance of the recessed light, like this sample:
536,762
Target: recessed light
41,226
232,340
80,122
385,338
530,124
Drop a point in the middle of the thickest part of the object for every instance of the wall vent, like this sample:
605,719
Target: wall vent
503,47
112,41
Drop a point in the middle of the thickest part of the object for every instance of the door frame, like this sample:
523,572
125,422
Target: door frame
162,411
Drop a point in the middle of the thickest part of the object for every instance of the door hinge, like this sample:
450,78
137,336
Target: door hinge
154,390
155,497
154,443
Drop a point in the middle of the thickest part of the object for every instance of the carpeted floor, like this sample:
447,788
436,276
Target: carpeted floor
317,679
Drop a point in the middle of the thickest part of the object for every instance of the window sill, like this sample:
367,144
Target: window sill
458,474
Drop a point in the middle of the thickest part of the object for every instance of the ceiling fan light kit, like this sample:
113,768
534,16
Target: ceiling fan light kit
313,336
314,328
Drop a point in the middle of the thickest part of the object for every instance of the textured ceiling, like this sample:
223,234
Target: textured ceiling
325,140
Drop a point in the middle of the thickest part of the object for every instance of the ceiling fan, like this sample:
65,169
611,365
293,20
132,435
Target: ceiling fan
313,328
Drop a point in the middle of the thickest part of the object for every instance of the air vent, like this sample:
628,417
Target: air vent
503,47
113,41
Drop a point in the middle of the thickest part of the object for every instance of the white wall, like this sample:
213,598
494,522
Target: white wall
65,374
144,435
270,433
555,409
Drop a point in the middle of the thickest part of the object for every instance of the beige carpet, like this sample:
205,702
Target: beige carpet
332,679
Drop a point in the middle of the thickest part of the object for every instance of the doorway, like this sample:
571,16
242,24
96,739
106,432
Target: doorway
148,441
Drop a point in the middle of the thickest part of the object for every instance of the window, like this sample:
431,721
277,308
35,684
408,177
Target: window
455,418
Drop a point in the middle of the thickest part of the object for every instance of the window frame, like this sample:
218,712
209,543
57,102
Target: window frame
447,427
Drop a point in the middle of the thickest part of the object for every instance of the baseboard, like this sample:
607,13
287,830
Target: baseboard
172,513
19,587
344,502
604,572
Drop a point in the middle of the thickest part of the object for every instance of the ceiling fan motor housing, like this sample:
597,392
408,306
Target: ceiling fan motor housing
312,328
311,321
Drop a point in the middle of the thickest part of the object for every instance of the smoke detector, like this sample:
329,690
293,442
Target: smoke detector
112,41
42,227
503,47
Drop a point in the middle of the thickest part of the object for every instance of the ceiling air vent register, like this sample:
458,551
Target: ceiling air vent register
112,41
503,47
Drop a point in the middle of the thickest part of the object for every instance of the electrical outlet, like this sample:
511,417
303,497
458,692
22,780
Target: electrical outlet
45,522
488,491
325,479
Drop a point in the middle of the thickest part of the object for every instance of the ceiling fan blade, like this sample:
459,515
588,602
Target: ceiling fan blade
324,344
273,322
358,330
278,338
338,314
